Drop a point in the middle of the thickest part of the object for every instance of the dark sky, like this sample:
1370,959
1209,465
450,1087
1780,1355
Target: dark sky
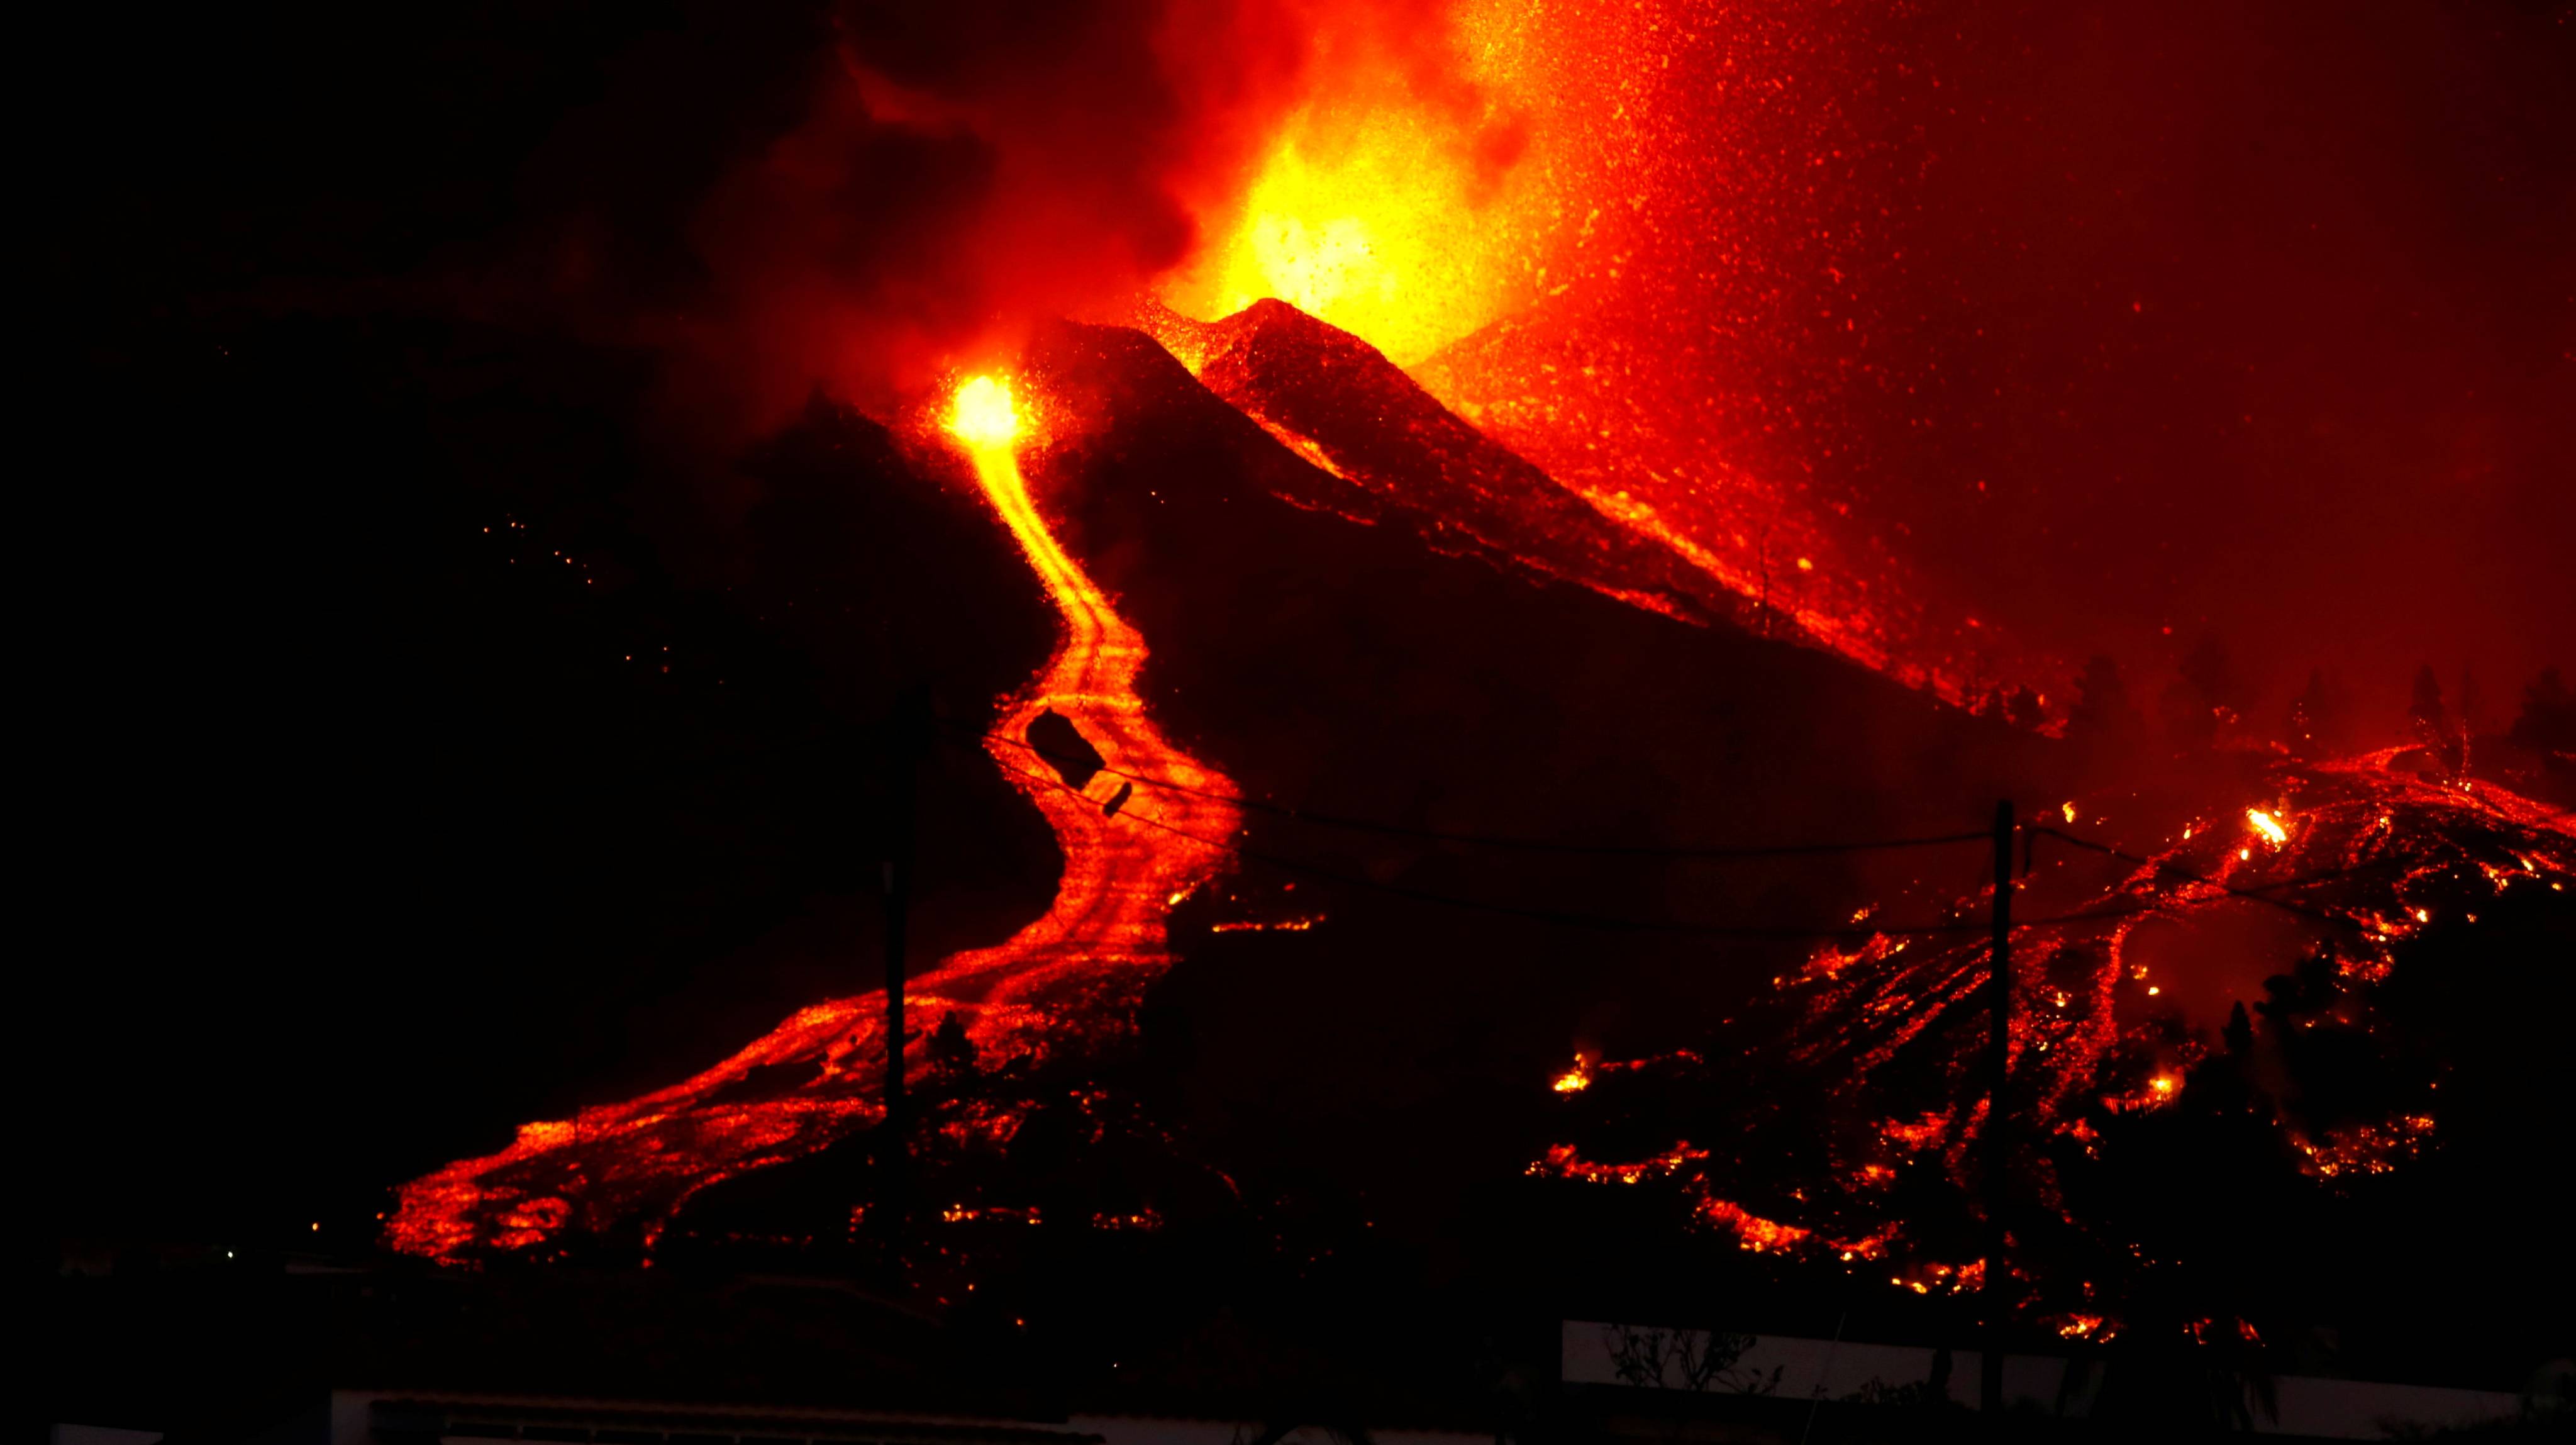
2264,321
2248,320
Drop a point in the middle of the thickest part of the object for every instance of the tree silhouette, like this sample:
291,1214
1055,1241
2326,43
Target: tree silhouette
2548,719
2205,701
2321,717
2473,705
952,1053
1686,1360
2430,722
2023,708
2102,717
2424,711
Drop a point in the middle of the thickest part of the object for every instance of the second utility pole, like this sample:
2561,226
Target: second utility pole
907,731
1990,1360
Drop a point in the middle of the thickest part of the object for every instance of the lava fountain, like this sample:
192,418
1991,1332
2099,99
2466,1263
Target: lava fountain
1154,833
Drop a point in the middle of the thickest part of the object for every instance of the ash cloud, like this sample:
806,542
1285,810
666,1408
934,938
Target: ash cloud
766,196
884,192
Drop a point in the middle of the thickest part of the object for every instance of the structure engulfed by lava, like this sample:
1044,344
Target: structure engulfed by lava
1130,856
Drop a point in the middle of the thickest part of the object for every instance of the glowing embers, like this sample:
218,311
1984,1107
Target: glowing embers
1752,1231
2099,1329
625,1169
2366,1148
1562,1162
1272,925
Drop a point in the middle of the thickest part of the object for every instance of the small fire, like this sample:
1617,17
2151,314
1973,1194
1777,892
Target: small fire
984,415
1279,925
1575,1080
2268,825
1563,1162
1752,1231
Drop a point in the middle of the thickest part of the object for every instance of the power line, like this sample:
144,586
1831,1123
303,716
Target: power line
1571,918
1635,925
1490,840
2253,895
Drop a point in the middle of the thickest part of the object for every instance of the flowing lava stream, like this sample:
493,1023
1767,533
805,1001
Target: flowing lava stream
1127,860
1130,854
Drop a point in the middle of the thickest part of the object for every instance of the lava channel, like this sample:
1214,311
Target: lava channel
1068,976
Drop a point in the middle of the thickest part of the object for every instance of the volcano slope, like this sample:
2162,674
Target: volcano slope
1463,691
1373,1001
1305,637
2330,1100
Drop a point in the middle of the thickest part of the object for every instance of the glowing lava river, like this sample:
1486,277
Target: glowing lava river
1130,855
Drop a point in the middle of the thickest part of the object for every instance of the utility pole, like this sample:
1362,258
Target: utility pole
907,730
1998,1151
1765,605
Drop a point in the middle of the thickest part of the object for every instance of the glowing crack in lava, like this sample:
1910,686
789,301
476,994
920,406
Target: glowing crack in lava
814,1079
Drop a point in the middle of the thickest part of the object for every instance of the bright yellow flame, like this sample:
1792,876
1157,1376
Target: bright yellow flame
2267,825
1369,221
1576,1079
1409,215
983,414
1311,268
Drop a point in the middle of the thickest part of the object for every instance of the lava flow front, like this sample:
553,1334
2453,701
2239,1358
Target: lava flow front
1130,855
